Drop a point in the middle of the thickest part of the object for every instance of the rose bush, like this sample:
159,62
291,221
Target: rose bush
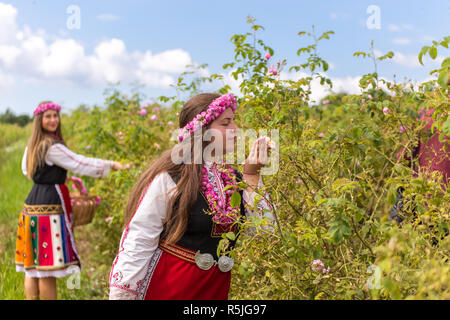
337,178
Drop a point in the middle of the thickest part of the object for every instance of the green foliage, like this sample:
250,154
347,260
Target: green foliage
9,117
337,178
332,194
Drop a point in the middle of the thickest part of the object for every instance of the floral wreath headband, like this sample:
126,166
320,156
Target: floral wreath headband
215,109
47,106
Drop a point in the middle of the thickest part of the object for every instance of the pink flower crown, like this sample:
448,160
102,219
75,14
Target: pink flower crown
215,109
47,106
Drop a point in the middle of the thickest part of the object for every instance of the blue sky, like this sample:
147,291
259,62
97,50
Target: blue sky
150,42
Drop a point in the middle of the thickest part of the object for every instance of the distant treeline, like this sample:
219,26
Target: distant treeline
9,117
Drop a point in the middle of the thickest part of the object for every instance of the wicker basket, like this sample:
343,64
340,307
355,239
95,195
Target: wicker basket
83,204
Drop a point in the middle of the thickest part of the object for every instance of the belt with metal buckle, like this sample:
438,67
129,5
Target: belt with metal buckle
204,261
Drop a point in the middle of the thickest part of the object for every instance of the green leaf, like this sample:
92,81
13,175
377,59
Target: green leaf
433,53
231,236
443,78
235,199
339,229
446,126
422,52
446,63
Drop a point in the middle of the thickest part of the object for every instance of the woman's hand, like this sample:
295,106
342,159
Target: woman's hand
257,158
117,166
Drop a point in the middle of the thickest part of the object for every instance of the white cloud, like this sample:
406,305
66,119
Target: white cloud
38,56
108,17
407,60
6,81
348,84
400,27
410,60
339,15
401,41
232,82
8,22
170,61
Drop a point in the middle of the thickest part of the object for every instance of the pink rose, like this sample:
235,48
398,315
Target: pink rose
273,71
143,112
385,110
267,56
170,123
109,219
321,135
402,129
326,101
153,117
370,97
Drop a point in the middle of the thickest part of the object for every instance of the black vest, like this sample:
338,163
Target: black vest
43,190
201,233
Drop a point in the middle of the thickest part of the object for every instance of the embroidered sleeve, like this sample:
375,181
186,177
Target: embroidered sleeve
140,240
262,208
24,162
63,157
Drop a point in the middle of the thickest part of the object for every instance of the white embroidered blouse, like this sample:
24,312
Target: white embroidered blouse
140,238
60,155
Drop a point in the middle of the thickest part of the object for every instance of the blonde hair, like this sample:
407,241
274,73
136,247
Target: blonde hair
39,144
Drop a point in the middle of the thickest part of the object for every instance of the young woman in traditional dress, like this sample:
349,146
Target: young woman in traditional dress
45,246
177,212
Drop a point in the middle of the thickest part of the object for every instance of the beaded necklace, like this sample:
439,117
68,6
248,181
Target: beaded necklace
213,182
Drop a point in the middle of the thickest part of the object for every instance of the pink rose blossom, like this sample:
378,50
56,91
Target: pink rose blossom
154,117
370,97
109,219
267,56
170,123
273,71
143,112
321,135
402,129
385,110
326,101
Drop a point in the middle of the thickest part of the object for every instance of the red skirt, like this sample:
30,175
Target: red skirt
177,278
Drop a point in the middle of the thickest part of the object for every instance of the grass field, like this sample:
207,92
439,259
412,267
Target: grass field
14,188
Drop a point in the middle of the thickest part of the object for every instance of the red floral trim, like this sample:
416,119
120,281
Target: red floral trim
124,288
78,161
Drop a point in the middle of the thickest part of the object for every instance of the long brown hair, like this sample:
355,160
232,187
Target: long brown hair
188,176
40,142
